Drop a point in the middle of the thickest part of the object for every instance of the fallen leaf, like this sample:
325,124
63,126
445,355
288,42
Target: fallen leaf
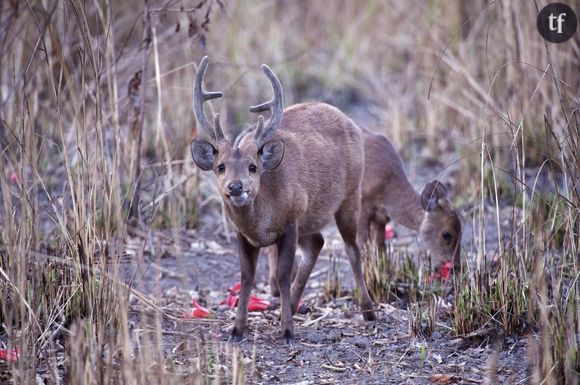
443,378
437,357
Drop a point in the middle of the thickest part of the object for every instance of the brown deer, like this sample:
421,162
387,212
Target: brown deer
281,184
387,194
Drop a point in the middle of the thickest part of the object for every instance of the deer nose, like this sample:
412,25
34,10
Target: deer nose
235,188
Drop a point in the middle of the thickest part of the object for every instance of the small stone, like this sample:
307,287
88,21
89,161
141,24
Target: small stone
315,337
359,342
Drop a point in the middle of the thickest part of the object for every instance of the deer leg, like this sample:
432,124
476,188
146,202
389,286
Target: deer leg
311,246
286,254
272,261
378,227
273,267
347,226
248,260
364,225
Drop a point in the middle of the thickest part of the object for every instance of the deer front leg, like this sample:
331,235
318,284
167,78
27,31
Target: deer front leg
347,226
248,260
286,252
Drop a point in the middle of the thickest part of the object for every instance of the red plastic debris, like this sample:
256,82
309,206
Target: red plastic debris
255,304
390,232
231,301
443,275
446,270
199,311
9,355
13,177
258,304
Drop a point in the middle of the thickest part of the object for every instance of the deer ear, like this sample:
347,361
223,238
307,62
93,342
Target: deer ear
433,194
271,154
203,154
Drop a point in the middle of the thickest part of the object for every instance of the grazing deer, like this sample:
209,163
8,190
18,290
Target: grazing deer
281,184
387,194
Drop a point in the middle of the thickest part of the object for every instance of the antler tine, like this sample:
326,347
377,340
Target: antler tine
200,97
259,128
276,105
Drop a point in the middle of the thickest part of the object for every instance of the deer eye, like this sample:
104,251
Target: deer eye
221,168
446,236
252,168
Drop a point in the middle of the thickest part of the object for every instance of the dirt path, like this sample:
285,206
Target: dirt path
334,345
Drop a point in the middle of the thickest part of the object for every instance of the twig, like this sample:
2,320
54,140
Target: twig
136,93
333,368
316,320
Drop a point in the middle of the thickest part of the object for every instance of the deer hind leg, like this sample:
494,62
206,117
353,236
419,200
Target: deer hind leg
286,253
364,225
272,252
378,233
346,221
311,246
272,268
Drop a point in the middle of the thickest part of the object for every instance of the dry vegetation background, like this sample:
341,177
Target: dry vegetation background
96,120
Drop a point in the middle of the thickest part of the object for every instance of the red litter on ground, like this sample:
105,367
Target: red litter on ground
443,275
446,270
9,355
255,304
200,311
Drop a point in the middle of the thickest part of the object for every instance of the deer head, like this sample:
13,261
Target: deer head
440,229
238,166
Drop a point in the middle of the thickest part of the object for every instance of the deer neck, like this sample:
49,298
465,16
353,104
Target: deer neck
406,207
242,217
259,233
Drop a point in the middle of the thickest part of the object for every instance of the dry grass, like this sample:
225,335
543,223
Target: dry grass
96,122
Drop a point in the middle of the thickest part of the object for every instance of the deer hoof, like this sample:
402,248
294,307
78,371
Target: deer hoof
274,291
369,315
287,337
235,336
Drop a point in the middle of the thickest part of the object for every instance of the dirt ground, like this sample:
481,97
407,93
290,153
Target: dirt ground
333,343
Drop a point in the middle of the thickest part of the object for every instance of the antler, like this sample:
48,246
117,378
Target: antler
199,97
276,105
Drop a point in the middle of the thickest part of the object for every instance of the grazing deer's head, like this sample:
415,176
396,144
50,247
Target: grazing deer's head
440,230
238,166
